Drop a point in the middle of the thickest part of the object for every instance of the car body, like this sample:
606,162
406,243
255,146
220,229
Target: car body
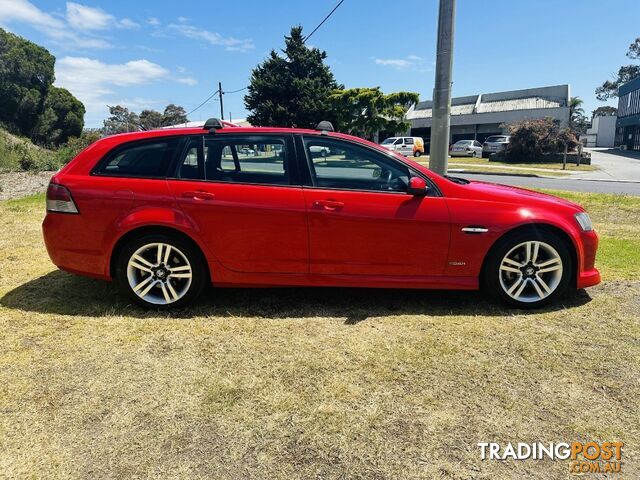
313,209
406,146
466,148
494,144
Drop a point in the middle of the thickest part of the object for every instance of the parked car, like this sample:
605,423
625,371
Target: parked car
162,213
466,148
247,151
405,145
321,151
494,144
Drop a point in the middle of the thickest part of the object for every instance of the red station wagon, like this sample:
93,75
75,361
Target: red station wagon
168,212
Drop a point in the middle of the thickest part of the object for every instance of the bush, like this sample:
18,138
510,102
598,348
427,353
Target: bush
532,139
74,146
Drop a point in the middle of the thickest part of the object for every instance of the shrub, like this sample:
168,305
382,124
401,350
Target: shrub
74,146
532,139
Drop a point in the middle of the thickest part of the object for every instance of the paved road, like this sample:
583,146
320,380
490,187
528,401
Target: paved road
558,183
614,165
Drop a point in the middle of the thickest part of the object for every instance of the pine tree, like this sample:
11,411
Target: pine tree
292,90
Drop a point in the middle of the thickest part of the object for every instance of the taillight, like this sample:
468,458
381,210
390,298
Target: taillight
59,199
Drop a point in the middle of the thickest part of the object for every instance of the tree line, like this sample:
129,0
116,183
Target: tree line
31,105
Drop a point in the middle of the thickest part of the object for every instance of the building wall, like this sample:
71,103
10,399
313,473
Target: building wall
628,123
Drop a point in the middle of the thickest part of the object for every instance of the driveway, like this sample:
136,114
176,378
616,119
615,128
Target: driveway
614,165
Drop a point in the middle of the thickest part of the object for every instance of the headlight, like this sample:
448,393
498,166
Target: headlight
584,221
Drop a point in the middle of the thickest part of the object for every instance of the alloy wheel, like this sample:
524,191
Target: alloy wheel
159,273
530,271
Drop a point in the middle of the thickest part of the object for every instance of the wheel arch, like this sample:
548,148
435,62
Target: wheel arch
154,229
538,227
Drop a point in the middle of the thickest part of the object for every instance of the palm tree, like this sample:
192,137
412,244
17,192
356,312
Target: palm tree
575,111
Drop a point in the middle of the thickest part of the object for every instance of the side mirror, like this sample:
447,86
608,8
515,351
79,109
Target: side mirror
417,187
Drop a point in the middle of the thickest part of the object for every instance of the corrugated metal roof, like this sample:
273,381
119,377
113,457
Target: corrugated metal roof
455,110
529,103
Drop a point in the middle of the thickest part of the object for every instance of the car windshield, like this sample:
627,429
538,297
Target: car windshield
389,140
463,142
496,139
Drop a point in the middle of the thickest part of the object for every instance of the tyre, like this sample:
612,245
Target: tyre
528,269
161,271
485,155
417,153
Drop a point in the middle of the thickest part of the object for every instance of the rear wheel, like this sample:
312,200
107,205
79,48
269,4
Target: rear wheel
529,269
161,271
417,153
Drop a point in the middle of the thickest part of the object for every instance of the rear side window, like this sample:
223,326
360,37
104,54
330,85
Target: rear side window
149,159
250,159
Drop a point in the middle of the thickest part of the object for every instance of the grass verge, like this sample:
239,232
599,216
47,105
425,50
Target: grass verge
309,383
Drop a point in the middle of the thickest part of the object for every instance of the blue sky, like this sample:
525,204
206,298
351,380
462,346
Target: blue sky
146,54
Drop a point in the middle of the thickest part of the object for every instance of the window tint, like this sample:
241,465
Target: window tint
338,164
250,160
408,141
191,166
140,159
398,142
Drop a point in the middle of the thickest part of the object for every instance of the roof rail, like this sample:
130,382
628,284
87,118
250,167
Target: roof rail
213,124
325,126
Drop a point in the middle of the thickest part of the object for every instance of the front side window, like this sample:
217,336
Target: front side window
352,167
398,142
149,159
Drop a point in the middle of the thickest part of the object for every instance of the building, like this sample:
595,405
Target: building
628,124
602,132
478,116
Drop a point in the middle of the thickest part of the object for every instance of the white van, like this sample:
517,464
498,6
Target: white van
405,145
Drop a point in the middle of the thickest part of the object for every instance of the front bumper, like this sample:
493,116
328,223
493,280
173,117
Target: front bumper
588,274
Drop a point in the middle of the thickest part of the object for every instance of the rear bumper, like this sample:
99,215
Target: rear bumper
72,247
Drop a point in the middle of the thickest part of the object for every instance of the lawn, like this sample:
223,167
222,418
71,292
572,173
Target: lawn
485,166
310,383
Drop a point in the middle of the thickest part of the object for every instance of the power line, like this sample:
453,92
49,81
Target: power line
323,20
236,91
212,95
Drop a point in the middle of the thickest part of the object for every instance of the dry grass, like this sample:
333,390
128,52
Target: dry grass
303,383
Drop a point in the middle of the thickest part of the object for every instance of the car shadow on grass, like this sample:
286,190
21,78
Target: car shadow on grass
64,294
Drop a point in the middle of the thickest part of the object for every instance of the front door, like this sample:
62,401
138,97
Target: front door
240,192
361,219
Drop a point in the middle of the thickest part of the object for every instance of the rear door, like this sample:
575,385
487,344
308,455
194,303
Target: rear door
362,221
243,194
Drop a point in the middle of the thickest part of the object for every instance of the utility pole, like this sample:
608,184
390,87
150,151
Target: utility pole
441,110
220,93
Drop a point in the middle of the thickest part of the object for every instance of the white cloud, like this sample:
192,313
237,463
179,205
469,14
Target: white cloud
23,11
128,23
413,62
187,81
153,21
214,38
82,17
393,62
95,83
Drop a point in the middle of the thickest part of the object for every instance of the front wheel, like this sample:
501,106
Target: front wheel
529,269
161,271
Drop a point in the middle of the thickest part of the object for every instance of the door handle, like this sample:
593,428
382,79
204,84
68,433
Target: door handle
330,205
199,195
